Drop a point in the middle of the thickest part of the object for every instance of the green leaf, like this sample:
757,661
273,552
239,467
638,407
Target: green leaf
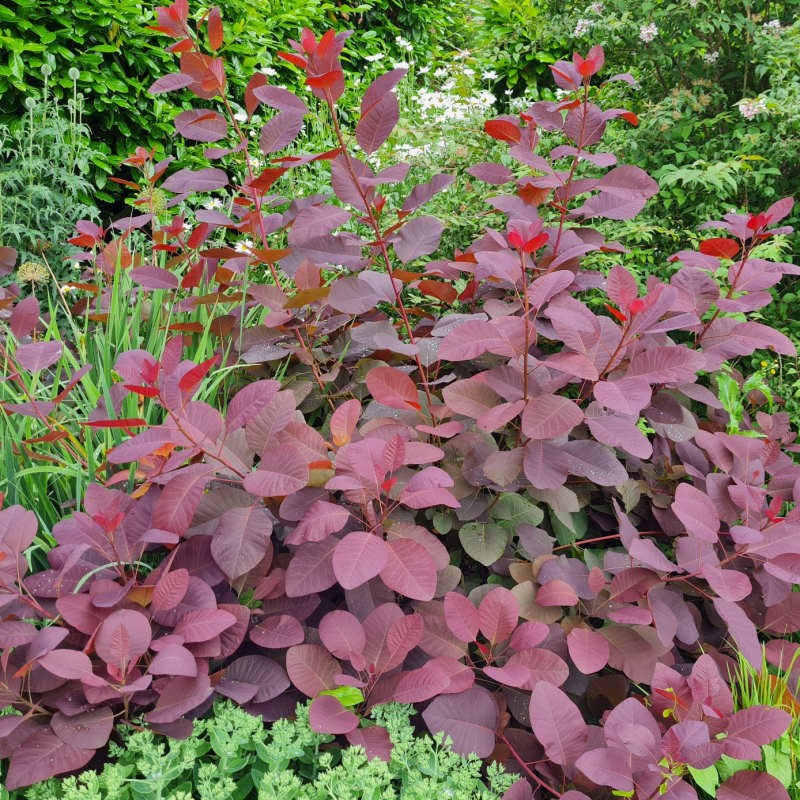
517,509
485,542
348,696
707,779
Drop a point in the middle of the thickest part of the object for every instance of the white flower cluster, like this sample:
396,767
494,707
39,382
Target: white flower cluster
489,75
711,57
596,8
446,105
374,57
403,44
752,108
773,26
213,204
693,3
648,32
270,71
582,26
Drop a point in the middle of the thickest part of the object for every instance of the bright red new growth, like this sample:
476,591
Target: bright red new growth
720,247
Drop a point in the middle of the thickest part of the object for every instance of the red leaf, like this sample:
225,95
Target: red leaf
325,81
393,388
135,422
720,247
192,378
461,617
298,61
215,30
502,129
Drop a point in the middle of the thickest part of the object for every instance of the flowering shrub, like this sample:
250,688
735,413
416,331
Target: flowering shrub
501,505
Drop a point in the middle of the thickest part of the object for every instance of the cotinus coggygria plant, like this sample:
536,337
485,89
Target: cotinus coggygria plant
512,506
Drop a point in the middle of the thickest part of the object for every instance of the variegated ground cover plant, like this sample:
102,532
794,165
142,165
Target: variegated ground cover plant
499,505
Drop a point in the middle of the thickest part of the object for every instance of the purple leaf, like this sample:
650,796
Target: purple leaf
280,131
498,614
588,650
203,624
550,415
377,122
358,557
557,723
278,632
418,237
154,278
201,180
39,355
742,629
607,766
241,540
627,395
280,99
469,718
758,724
174,659
729,584
170,83
280,473
423,192
201,125
594,461
320,521
409,570
123,639
751,785
72,665
265,676
697,512
327,715
311,568
43,755
311,668
495,174
180,696
428,488
375,741
462,617
25,315
90,728
343,635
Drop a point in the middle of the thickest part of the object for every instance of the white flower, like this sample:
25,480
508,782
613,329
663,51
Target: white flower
400,65
489,75
404,44
710,58
596,8
269,71
750,108
423,70
648,32
693,3
773,26
441,72
245,246
468,71
213,204
240,116
374,57
462,55
67,288
581,27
